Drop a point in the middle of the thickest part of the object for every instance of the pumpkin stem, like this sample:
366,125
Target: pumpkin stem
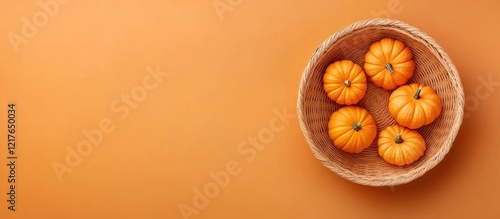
357,126
388,66
398,139
347,83
417,94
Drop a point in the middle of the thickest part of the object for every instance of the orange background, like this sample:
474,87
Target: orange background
227,79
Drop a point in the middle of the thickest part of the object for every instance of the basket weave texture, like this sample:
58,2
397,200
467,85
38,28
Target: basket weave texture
433,68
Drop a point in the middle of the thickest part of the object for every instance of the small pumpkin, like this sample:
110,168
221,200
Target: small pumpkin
352,129
345,82
414,105
400,146
389,63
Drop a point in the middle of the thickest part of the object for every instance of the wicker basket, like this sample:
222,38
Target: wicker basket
433,67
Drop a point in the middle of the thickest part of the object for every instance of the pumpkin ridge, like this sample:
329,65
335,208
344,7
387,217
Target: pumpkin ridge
352,114
429,115
388,132
404,55
376,51
403,155
397,155
392,46
429,104
371,64
377,76
397,48
410,149
417,148
382,146
398,76
340,134
367,138
404,63
354,91
339,122
406,66
342,96
359,78
333,94
386,45
418,112
340,142
340,119
338,72
347,67
358,114
372,58
372,67
334,87
333,131
388,154
397,103
338,67
431,98
370,121
331,78
358,142
363,116
343,139
330,74
360,89
345,115
350,140
370,134
388,82
408,116
352,71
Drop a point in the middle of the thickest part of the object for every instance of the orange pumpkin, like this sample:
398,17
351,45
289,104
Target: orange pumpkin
389,63
344,82
414,105
400,146
352,129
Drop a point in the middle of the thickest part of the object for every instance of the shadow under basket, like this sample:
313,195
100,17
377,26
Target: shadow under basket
433,68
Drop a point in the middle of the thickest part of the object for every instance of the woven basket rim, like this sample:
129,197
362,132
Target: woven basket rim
442,56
